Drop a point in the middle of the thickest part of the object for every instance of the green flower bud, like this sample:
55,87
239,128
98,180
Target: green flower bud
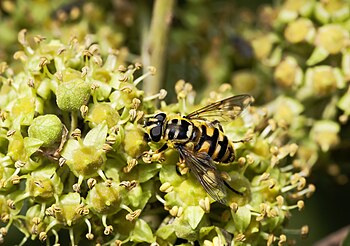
16,148
24,108
47,128
263,46
286,109
333,38
288,73
325,133
323,80
43,185
70,209
133,142
4,208
70,96
291,9
125,94
344,103
104,199
83,160
5,177
300,30
335,10
245,82
35,222
99,112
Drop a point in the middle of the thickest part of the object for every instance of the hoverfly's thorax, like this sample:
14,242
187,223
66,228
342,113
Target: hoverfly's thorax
178,130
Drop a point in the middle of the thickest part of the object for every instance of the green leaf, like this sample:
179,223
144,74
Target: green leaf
102,91
142,232
165,232
204,231
241,218
344,103
97,136
319,54
69,149
168,174
31,145
147,191
146,172
44,89
184,230
139,197
24,109
193,214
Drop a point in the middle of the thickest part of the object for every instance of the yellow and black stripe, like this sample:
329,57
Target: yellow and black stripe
211,140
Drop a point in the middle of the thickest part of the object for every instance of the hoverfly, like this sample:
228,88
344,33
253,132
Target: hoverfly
199,141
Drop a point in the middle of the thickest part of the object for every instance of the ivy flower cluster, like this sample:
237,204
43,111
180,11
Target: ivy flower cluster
71,145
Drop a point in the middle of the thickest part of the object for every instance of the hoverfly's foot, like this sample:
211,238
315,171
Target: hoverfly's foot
182,167
64,137
150,156
244,140
147,156
159,157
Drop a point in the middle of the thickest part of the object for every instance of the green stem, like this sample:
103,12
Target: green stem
155,43
73,122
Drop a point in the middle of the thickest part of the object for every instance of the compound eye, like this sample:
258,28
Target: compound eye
160,117
156,133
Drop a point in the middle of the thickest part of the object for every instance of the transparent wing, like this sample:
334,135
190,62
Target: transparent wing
202,166
228,108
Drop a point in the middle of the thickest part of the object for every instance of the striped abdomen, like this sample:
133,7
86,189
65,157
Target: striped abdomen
209,139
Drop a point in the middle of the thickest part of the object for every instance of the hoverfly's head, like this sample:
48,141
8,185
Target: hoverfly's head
154,127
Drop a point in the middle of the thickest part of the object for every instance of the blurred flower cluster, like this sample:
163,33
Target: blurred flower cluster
304,53
293,57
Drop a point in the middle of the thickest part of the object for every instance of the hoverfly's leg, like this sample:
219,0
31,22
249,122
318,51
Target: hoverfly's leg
244,140
64,137
152,156
182,167
225,177
235,191
161,149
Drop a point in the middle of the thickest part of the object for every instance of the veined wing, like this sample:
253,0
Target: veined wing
230,107
202,166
